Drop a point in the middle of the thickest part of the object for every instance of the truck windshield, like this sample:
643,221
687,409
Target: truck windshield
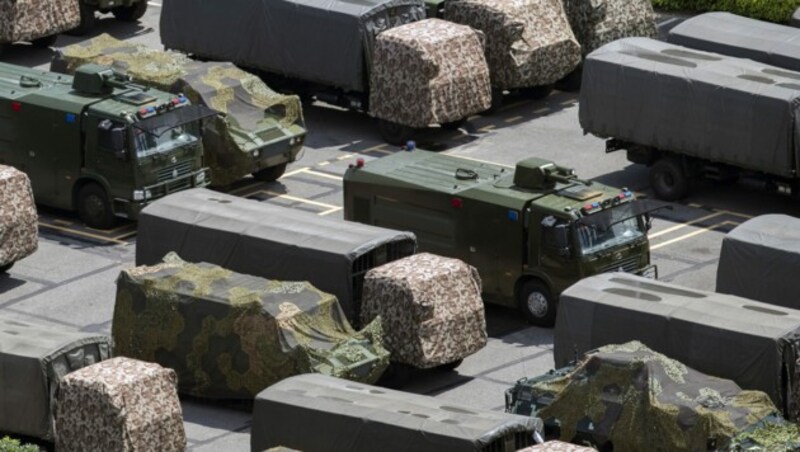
147,143
594,237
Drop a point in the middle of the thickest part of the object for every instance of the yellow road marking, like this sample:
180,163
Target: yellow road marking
323,163
513,119
241,190
510,106
683,225
693,234
62,222
487,128
346,156
125,235
81,233
293,172
301,200
330,211
735,214
319,174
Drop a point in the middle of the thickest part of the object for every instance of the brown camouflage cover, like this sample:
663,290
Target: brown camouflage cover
254,116
557,446
19,233
528,42
230,335
120,405
598,22
26,20
430,306
429,72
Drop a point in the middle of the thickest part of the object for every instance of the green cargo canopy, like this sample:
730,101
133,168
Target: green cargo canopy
33,360
316,412
265,240
724,109
752,343
327,42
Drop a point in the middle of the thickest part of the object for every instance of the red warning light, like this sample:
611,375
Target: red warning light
16,106
457,203
360,163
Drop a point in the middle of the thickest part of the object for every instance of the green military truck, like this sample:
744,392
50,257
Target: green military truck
531,232
123,10
97,143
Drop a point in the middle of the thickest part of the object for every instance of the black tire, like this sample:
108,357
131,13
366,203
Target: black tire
270,174
537,304
537,92
45,42
396,376
88,21
497,101
5,268
455,125
130,13
94,207
572,82
669,179
449,367
395,134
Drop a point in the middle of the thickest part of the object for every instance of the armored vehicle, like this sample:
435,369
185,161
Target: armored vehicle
358,417
19,228
36,21
111,146
123,10
689,114
530,232
257,130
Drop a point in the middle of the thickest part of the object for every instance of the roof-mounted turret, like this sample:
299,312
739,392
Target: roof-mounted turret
540,174
99,80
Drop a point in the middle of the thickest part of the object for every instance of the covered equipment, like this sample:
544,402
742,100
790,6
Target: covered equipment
121,405
599,22
28,20
33,360
273,242
230,335
430,306
19,228
317,412
529,43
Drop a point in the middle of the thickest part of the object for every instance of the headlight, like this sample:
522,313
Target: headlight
200,178
141,195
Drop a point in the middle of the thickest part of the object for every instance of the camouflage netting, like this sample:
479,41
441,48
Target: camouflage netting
556,446
251,109
26,20
429,72
642,400
771,434
598,22
230,335
528,42
430,306
19,233
120,405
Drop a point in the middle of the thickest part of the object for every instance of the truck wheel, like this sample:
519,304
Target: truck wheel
270,174
88,21
454,125
396,376
45,42
668,179
94,207
497,101
394,133
130,13
5,268
451,366
538,304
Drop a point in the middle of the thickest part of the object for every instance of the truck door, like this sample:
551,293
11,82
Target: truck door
556,251
108,154
495,249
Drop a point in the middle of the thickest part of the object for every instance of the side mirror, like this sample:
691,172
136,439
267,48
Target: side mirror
648,222
118,140
561,239
111,138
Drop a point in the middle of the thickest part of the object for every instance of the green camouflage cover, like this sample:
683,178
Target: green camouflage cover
230,335
258,128
429,72
771,434
431,309
598,22
642,400
528,42
19,233
26,20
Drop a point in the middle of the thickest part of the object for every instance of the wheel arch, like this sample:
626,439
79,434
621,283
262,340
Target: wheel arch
84,181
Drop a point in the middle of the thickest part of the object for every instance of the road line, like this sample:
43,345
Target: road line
323,163
485,129
321,174
513,119
81,233
125,235
735,214
157,5
300,200
330,211
345,157
692,234
683,225
293,172
240,190
62,222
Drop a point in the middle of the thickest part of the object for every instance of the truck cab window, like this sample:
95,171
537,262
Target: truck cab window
595,237
111,136
555,234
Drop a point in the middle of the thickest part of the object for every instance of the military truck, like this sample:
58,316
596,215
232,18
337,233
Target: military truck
36,21
97,143
19,227
123,10
531,232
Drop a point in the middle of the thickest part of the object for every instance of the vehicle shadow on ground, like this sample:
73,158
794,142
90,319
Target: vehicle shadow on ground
8,282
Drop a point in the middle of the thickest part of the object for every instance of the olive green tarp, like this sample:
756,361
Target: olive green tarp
230,335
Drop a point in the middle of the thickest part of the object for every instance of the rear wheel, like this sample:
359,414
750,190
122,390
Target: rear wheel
537,304
394,133
5,268
88,20
270,174
94,207
45,42
669,179
130,13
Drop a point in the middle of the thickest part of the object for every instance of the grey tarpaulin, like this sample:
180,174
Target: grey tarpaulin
759,260
264,240
749,342
700,104
741,37
33,359
321,413
321,41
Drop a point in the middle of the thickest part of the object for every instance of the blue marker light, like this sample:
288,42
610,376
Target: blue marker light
70,118
513,215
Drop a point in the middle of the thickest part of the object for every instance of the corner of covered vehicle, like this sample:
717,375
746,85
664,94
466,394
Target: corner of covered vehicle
19,229
598,22
27,20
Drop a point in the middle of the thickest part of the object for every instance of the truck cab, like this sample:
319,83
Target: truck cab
96,143
531,231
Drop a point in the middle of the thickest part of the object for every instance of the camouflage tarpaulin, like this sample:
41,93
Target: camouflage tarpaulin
230,335
19,233
528,42
26,20
254,116
430,306
429,72
33,359
556,446
642,400
598,22
120,405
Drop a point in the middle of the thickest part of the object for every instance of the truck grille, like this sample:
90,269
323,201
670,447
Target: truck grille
510,442
374,258
628,265
177,170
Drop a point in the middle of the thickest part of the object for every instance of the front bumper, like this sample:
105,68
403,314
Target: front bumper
128,208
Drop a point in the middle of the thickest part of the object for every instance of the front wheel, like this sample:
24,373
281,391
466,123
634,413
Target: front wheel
669,180
130,13
94,207
394,133
537,304
88,21
270,174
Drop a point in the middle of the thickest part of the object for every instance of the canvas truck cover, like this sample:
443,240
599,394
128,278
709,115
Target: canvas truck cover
33,359
528,42
737,36
26,20
759,261
430,307
704,105
317,412
321,41
264,240
557,446
253,116
19,228
752,343
230,335
598,22
638,399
